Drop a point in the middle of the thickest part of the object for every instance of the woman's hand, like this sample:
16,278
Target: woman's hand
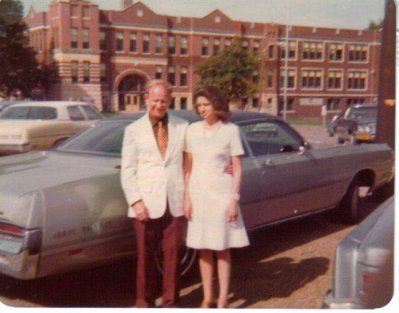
232,211
188,210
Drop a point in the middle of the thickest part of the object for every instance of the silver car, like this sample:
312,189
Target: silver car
363,270
64,209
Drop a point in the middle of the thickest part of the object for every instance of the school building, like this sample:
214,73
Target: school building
107,56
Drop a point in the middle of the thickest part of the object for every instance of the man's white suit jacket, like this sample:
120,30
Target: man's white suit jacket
145,175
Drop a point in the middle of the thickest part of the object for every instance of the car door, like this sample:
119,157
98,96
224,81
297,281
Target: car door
286,178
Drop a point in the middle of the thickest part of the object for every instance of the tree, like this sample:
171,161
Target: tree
373,25
19,68
231,71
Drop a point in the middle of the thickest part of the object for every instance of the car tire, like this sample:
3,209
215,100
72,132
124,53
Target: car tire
340,141
188,256
348,209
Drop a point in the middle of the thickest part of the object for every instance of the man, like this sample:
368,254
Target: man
152,179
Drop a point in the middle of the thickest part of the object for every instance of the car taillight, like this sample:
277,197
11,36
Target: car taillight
369,280
12,229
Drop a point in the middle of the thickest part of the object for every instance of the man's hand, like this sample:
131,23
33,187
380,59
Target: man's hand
188,210
141,211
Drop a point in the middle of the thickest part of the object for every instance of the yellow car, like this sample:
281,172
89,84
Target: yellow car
42,125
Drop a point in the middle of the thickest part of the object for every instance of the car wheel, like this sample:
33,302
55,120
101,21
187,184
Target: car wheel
188,256
348,209
340,141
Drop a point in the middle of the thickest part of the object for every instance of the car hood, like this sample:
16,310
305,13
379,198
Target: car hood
25,173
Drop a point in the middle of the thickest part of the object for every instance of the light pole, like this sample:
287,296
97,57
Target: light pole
286,63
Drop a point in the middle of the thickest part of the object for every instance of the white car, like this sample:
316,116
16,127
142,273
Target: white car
42,125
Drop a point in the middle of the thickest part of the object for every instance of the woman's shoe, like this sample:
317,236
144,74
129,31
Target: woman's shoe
207,304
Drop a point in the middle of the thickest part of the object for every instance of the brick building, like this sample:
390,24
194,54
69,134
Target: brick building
108,56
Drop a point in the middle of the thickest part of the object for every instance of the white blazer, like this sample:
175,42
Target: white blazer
145,175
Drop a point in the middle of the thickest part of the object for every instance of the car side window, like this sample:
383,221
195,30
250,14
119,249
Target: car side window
270,137
90,112
15,113
42,113
75,114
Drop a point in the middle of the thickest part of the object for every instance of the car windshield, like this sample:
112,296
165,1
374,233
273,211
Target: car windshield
103,138
370,112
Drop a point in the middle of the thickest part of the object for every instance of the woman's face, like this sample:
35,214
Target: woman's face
205,108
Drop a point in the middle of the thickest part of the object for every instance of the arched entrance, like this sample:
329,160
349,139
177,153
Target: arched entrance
131,93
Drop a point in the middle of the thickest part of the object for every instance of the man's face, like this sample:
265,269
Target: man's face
157,100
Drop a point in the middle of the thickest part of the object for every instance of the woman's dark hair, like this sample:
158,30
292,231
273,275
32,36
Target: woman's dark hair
217,99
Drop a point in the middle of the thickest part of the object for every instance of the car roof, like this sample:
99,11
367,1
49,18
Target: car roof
54,104
191,116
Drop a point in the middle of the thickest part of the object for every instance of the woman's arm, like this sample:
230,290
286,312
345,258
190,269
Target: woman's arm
237,176
187,166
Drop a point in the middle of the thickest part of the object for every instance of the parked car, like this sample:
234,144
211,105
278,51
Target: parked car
64,209
333,124
363,269
358,124
41,125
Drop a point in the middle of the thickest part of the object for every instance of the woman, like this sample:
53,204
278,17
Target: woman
211,198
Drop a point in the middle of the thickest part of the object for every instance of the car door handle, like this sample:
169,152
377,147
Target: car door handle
118,167
267,162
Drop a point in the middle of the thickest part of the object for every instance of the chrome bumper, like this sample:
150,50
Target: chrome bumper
21,266
13,149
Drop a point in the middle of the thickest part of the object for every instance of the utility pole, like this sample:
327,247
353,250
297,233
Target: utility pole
386,88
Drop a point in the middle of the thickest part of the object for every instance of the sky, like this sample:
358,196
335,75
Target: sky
355,14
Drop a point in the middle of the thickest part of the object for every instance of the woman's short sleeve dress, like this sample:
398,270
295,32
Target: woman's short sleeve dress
211,189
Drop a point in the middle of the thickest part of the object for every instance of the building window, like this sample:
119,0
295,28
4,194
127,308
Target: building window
290,78
86,72
146,43
289,106
216,46
255,76
291,50
86,38
183,45
356,80
158,72
335,52
353,101
158,44
103,40
103,73
183,76
227,42
245,45
205,46
334,80
270,52
56,38
74,37
119,41
255,48
172,103
312,51
85,11
333,104
171,45
74,71
255,103
171,75
269,78
183,103
74,10
311,78
133,42
357,53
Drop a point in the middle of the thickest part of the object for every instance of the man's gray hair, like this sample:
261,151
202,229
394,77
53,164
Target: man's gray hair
158,82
